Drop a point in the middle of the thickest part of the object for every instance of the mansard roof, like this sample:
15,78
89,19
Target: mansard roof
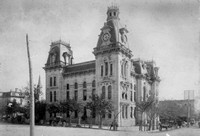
80,67
146,68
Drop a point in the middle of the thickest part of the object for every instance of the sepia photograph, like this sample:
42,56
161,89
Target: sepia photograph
100,67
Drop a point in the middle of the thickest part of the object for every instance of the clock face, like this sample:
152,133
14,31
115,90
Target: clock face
106,37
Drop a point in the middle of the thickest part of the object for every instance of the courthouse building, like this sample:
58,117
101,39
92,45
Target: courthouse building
114,73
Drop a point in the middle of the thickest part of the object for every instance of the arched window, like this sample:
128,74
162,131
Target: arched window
51,96
122,111
126,111
131,113
111,69
134,96
93,83
122,70
126,69
126,96
101,70
84,85
123,94
103,92
131,96
106,68
54,82
75,85
67,86
55,96
144,93
51,81
109,92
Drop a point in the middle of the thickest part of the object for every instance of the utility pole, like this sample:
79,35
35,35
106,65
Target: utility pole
188,109
32,107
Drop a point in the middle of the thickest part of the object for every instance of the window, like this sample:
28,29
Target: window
93,83
110,14
109,92
131,86
106,68
114,13
76,95
54,81
111,69
135,112
123,95
51,96
131,113
134,87
54,96
67,86
122,111
134,96
125,69
84,95
122,69
103,92
131,96
126,111
126,96
75,86
84,85
144,93
51,81
67,95
101,70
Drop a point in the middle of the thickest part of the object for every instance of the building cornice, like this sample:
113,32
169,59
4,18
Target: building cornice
88,71
118,47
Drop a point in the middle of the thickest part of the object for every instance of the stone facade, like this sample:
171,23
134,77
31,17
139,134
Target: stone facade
113,73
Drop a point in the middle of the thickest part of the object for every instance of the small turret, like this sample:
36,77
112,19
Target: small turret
112,13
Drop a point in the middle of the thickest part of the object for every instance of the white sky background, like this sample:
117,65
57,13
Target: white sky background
164,30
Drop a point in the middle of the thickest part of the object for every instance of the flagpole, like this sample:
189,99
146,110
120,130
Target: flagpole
32,112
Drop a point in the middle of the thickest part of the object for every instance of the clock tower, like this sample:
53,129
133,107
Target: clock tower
113,66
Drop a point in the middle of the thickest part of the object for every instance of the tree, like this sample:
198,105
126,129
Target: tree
13,109
68,107
40,110
171,110
143,107
53,108
101,106
152,113
37,92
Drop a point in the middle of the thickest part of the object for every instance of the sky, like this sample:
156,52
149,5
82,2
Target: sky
166,31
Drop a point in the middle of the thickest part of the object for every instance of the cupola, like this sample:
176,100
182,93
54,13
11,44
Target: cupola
112,13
